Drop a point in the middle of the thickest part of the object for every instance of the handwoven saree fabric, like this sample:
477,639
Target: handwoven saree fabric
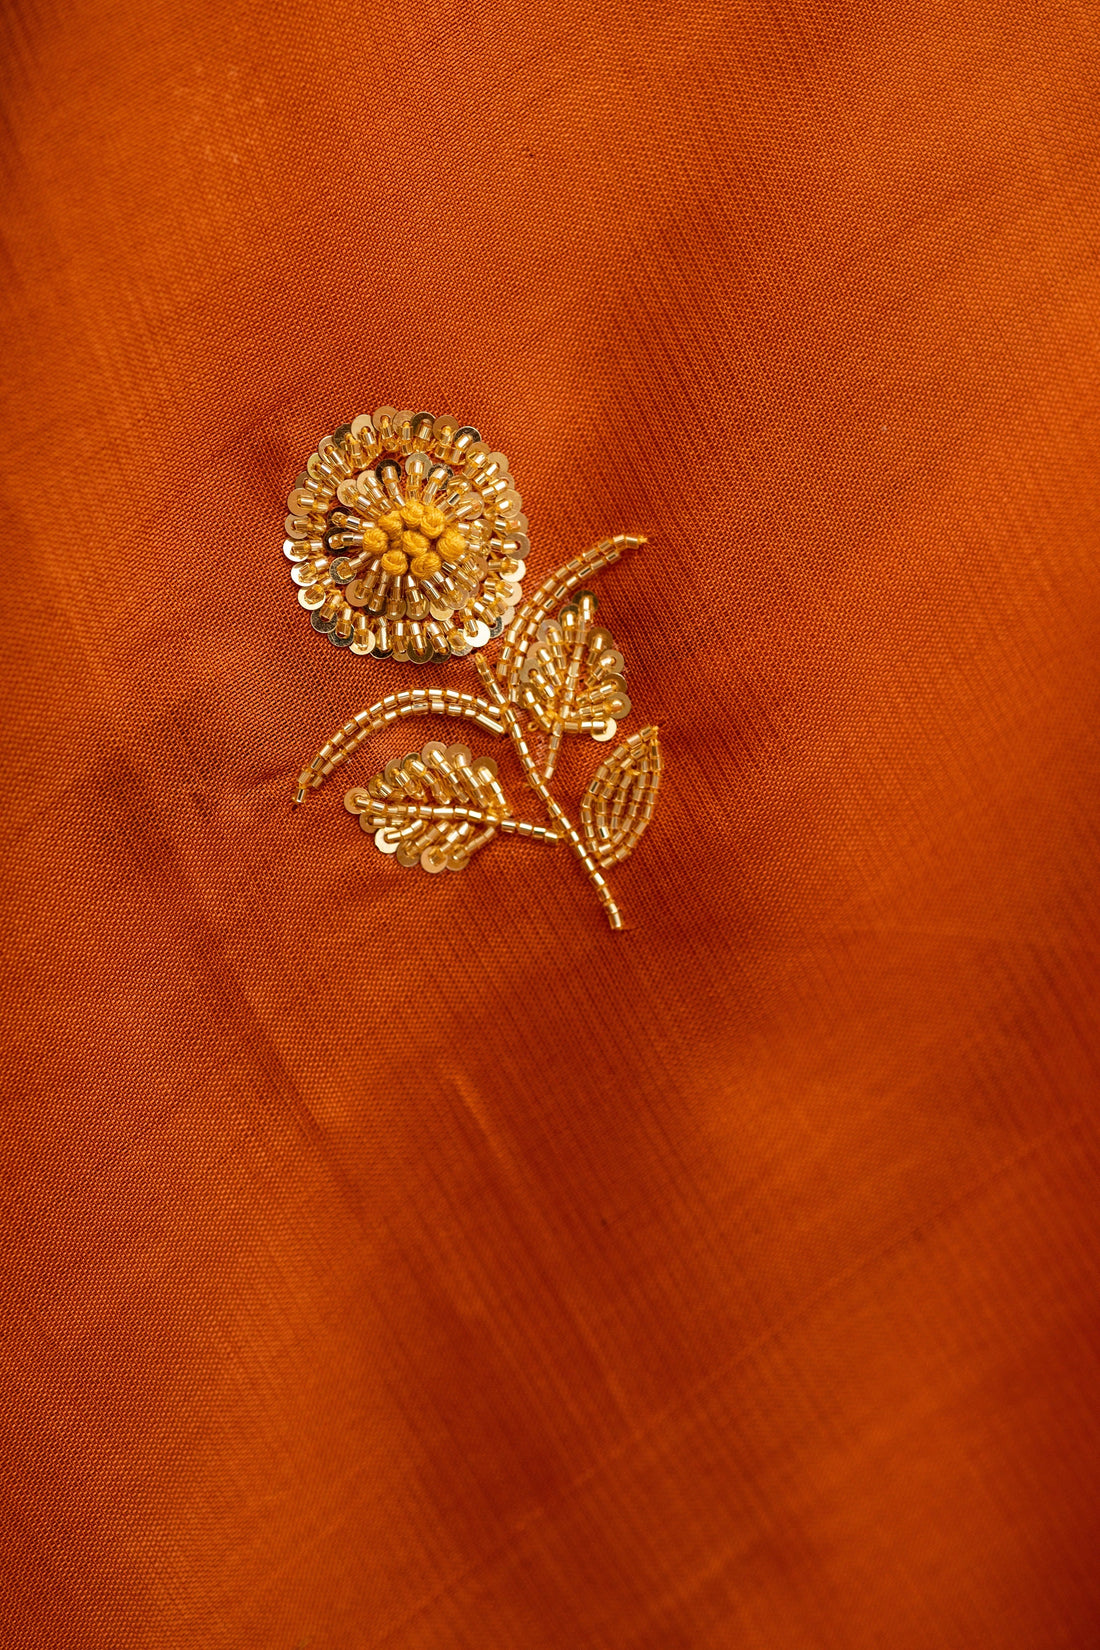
397,1262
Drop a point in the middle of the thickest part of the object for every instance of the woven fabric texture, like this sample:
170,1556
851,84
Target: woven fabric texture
397,1262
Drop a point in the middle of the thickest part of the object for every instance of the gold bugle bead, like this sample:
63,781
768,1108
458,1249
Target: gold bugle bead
306,502
326,474
334,453
304,572
299,550
401,425
300,528
422,431
459,447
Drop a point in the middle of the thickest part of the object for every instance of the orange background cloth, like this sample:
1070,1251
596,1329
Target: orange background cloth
411,1262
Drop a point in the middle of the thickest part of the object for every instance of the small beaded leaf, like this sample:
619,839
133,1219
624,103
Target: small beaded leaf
571,678
437,807
621,798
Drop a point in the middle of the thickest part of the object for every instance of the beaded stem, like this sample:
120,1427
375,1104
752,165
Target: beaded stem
538,784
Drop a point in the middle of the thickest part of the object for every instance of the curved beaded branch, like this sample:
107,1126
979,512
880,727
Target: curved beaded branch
524,627
410,702
414,818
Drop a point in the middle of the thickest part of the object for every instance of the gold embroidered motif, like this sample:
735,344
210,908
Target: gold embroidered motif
454,523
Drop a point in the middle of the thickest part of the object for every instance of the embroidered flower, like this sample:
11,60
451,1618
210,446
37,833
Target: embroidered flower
407,537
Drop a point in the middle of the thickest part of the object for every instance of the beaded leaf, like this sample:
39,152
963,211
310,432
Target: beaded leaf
437,807
621,797
571,680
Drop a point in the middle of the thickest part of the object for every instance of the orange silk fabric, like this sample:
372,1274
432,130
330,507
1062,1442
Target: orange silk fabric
410,1262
